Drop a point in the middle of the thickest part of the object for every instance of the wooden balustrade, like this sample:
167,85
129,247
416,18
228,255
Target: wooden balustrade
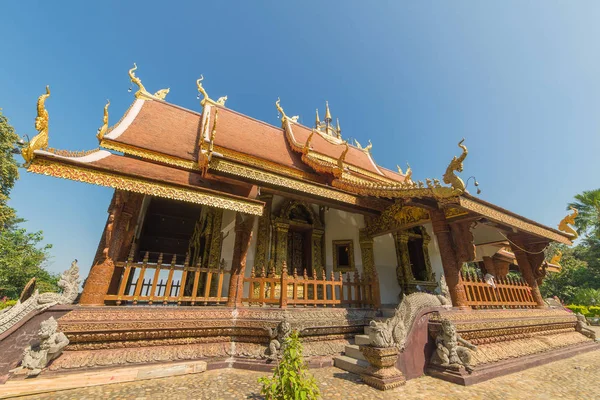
184,284
509,292
264,288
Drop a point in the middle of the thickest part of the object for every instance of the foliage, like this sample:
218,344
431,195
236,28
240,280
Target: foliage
587,296
290,379
22,254
4,303
8,169
22,257
588,220
573,275
578,309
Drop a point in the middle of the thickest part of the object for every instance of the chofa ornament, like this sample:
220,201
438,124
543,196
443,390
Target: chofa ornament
39,141
569,220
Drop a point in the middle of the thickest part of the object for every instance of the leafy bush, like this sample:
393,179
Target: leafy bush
290,379
587,296
7,303
578,309
594,311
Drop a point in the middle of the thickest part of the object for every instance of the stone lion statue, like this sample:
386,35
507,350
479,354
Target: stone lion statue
449,351
278,337
51,345
393,331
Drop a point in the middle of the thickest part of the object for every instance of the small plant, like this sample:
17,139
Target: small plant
291,380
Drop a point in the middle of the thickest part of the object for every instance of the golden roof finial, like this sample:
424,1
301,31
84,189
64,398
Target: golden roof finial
39,141
338,129
306,148
134,79
327,112
569,220
408,175
369,147
340,161
102,130
220,101
556,258
201,90
280,109
456,165
317,120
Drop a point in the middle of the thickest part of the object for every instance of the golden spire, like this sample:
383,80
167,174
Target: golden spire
39,141
317,121
338,129
102,130
327,112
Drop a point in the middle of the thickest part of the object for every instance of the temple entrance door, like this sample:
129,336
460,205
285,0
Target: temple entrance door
298,251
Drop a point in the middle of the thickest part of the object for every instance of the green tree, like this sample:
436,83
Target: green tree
588,220
9,172
573,275
291,380
22,254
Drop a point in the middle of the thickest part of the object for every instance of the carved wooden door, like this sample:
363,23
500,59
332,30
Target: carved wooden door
295,255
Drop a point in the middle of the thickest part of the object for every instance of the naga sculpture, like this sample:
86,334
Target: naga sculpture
449,352
456,164
582,327
569,220
393,331
39,141
50,347
277,338
69,283
407,175
104,128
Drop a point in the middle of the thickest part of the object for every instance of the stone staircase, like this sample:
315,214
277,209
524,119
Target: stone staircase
352,360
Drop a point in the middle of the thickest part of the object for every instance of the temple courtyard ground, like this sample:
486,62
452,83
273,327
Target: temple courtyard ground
573,378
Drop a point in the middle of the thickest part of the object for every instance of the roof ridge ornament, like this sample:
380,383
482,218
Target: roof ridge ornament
142,92
456,164
39,141
102,130
569,220
220,101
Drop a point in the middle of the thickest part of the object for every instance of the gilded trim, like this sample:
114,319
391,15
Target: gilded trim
148,154
512,221
228,167
100,178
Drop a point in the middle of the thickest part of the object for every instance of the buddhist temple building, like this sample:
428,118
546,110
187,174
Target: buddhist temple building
214,210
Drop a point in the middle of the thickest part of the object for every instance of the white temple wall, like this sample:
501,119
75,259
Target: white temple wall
342,225
434,253
386,262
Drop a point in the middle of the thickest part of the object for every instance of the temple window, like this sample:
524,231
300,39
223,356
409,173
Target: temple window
343,255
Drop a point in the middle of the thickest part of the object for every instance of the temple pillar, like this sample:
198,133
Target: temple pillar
243,236
118,234
366,253
403,270
530,258
317,250
450,261
263,234
281,243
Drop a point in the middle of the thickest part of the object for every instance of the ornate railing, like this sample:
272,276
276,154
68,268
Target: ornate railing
263,288
508,293
183,283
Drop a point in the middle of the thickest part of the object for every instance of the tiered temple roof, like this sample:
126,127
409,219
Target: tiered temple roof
220,157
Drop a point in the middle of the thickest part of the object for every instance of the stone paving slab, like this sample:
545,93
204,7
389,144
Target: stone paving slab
573,378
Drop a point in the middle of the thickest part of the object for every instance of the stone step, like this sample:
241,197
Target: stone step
350,364
353,350
361,339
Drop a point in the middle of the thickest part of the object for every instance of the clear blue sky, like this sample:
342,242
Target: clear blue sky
519,80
